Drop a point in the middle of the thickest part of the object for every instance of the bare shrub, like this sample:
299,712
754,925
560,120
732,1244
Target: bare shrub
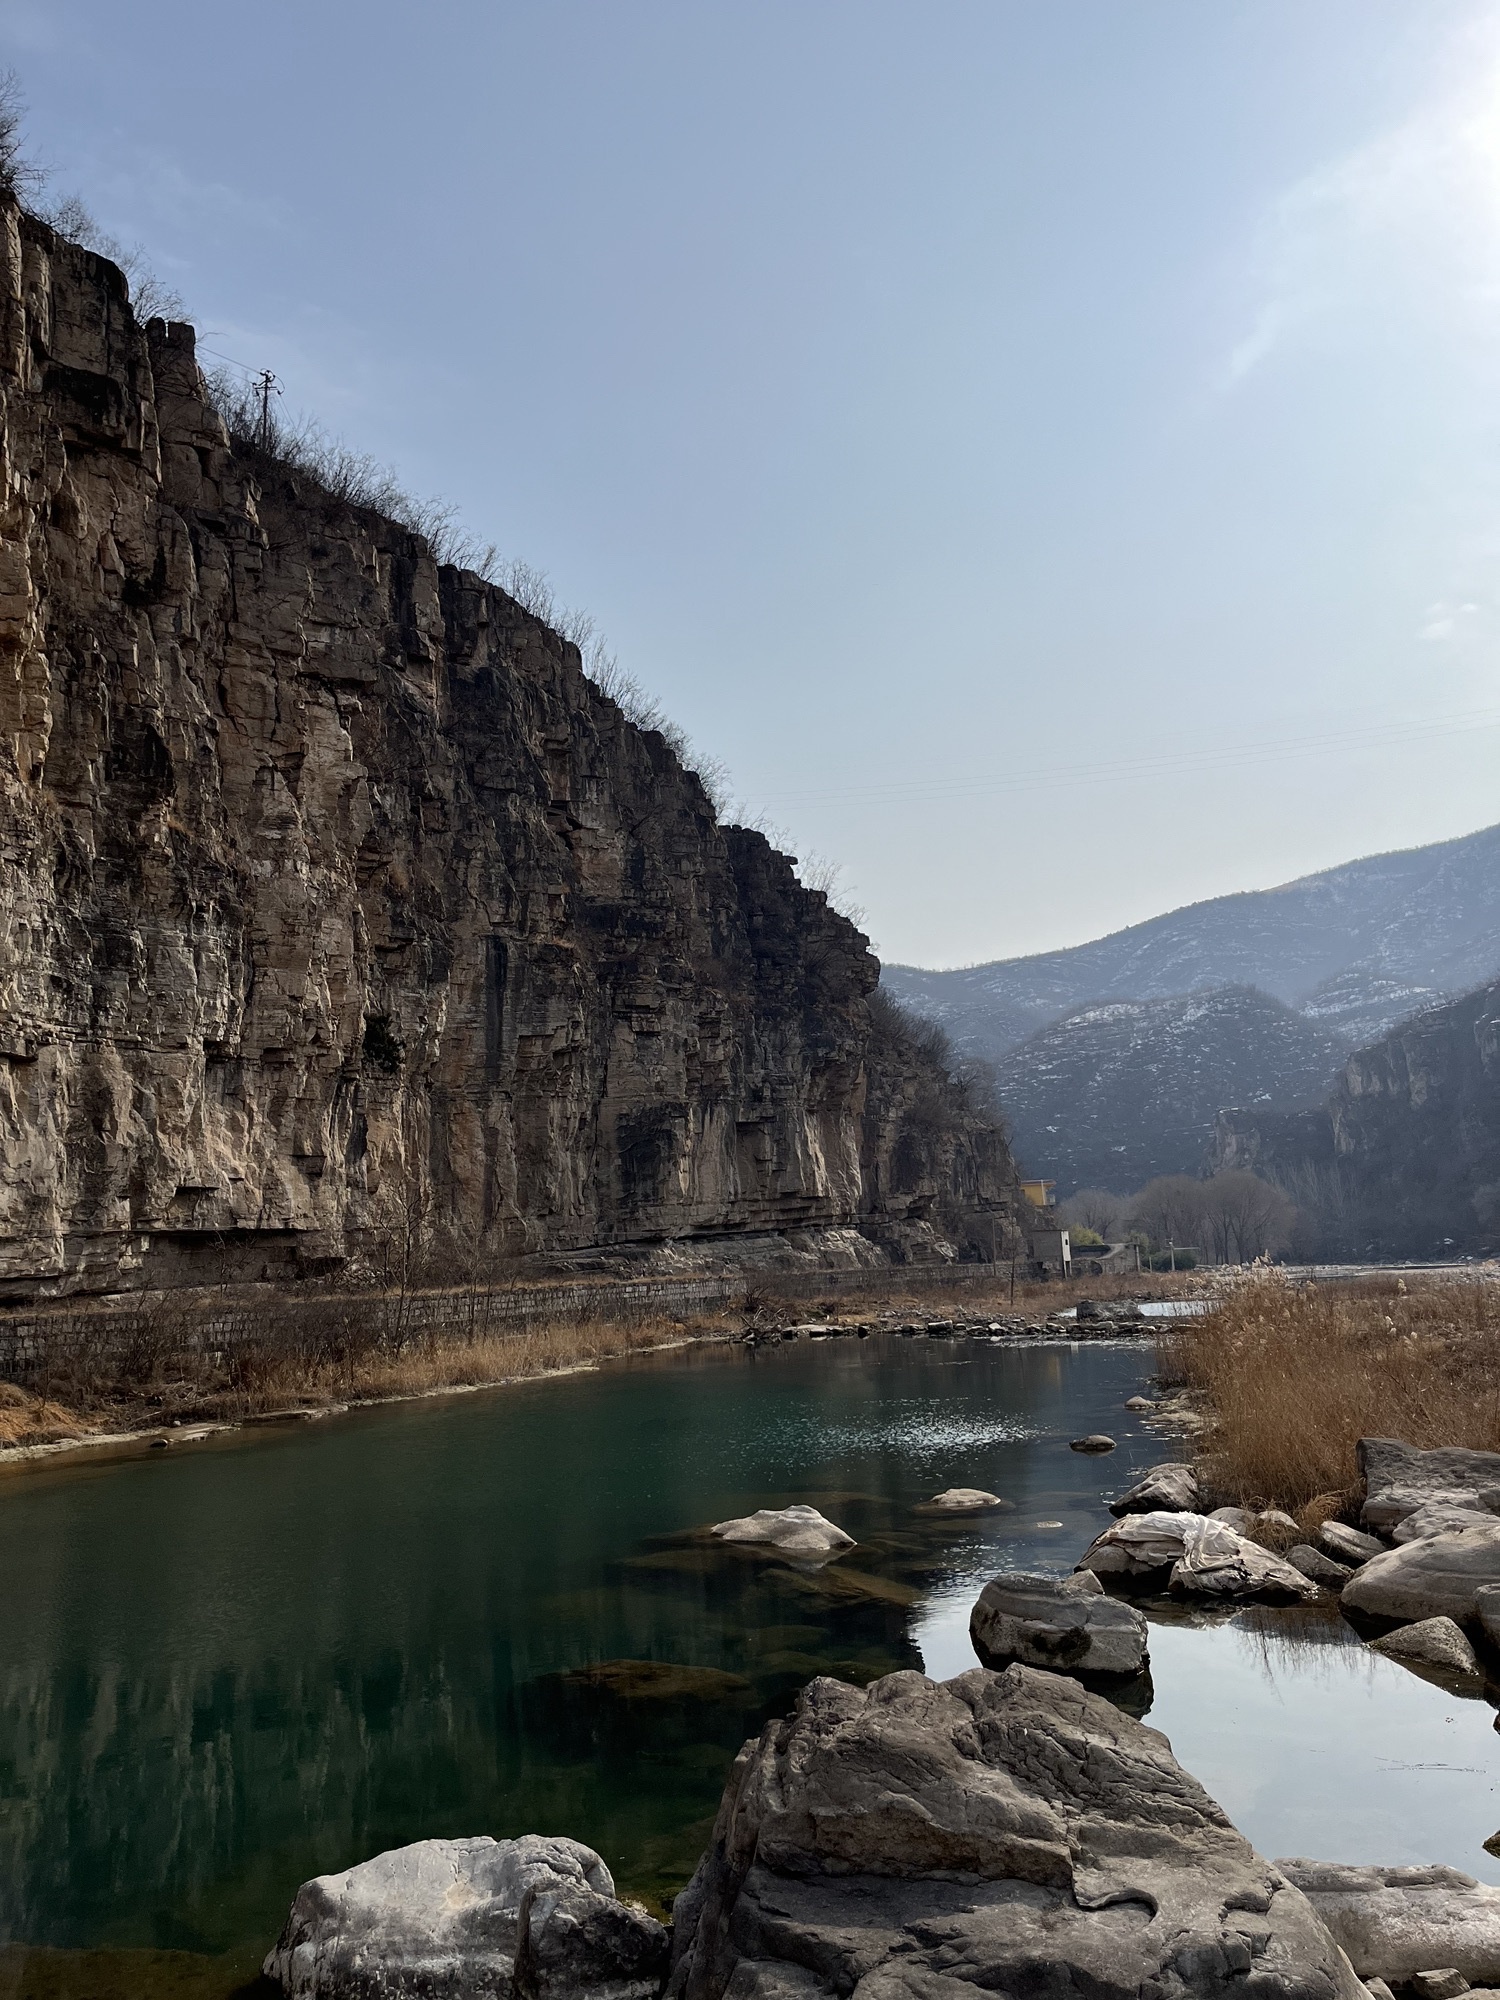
1292,1377
21,176
1095,1209
150,296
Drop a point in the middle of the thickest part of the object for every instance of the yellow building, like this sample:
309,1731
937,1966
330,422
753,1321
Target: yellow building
1041,1194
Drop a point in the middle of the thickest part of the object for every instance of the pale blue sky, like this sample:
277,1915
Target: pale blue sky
1049,451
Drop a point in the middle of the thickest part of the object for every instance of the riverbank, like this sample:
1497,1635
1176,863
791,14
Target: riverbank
1283,1378
181,1367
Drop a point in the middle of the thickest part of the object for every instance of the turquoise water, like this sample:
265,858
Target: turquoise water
233,1665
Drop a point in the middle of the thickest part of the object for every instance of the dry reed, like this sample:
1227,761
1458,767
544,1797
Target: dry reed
1289,1378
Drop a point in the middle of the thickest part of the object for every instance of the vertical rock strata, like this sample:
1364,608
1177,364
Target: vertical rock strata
336,900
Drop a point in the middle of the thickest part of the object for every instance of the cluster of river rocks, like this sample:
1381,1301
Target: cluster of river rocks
1089,1320
1013,1831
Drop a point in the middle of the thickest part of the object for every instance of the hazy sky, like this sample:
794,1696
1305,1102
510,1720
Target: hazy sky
1049,451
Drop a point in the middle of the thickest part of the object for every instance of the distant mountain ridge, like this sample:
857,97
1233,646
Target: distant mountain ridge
1346,953
1358,947
1118,1092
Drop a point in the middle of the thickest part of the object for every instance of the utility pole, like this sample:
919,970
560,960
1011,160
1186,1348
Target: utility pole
268,386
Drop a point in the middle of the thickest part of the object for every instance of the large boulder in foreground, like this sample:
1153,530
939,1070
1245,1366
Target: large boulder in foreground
469,1920
1006,1833
1399,1479
1437,1577
1064,1624
800,1532
1169,1488
1192,1556
1394,1922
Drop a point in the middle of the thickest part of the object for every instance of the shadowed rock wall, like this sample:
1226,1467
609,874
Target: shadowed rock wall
336,903
1404,1160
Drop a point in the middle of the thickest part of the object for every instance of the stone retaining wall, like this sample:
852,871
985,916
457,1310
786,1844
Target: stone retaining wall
35,1338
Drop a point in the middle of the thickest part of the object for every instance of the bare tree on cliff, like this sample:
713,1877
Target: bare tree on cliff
20,175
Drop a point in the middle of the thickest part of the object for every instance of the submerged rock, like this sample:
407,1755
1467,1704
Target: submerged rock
1395,1922
1439,1576
1096,1441
1169,1488
1065,1624
965,1500
1399,1478
469,1920
796,1531
1435,1643
1009,1833
1195,1557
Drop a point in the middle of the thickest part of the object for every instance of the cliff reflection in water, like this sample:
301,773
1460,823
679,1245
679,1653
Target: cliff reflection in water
249,1664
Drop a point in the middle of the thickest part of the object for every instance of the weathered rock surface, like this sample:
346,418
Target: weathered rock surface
794,1531
1318,1568
965,1500
1435,1577
334,895
1009,1833
1193,1556
1487,1611
1394,1922
1066,1624
1399,1479
1436,1643
1348,1545
469,1920
1440,1517
1165,1489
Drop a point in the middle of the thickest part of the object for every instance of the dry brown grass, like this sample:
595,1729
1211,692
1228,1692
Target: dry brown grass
26,1420
296,1362
452,1362
1291,1377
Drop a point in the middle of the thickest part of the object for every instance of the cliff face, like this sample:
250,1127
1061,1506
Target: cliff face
335,900
1405,1157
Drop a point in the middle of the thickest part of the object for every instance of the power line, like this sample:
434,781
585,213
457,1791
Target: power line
1147,765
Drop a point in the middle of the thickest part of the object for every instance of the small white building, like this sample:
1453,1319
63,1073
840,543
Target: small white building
1051,1249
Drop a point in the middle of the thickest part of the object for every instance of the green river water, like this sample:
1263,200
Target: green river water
232,1665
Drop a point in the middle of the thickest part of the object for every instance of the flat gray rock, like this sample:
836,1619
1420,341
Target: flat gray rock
468,1920
1432,1642
1195,1557
795,1531
1348,1545
1399,1478
1064,1624
994,1834
1169,1488
1440,1517
1096,1442
1394,1922
1438,1577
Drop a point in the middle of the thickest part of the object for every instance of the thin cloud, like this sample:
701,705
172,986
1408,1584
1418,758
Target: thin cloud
1407,222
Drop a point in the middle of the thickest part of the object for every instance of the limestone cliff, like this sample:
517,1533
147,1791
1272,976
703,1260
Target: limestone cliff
1404,1160
336,901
